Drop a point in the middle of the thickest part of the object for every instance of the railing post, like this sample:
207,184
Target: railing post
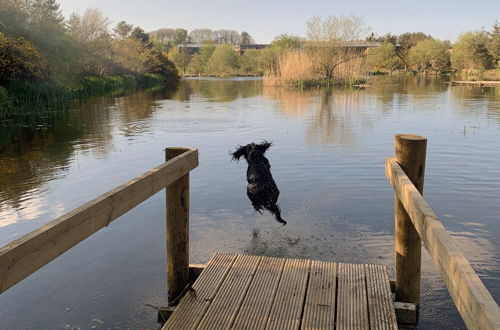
177,231
410,153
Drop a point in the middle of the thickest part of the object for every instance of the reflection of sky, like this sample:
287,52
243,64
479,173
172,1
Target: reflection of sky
327,159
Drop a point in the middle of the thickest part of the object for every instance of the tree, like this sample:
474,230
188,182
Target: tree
429,55
122,30
179,57
139,34
201,36
246,38
406,41
387,38
286,41
227,37
181,37
330,42
384,57
224,60
199,63
158,62
494,44
20,60
93,38
471,52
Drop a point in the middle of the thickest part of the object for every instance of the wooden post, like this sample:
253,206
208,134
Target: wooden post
177,231
410,153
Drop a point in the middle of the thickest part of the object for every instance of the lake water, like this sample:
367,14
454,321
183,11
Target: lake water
327,159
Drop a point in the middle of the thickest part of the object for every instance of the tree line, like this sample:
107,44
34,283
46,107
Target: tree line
167,38
474,51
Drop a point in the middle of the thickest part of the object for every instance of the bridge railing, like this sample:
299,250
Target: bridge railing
415,222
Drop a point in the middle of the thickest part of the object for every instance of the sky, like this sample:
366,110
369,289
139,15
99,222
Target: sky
265,19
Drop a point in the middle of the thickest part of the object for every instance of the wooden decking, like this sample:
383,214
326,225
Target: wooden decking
252,292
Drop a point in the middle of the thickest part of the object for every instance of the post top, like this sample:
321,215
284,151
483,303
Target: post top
411,137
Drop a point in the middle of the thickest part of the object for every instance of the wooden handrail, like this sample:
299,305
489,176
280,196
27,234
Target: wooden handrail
27,254
473,301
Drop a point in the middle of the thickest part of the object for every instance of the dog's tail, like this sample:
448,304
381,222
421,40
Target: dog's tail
275,209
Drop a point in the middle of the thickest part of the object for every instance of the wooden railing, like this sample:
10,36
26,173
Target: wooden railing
415,221
27,254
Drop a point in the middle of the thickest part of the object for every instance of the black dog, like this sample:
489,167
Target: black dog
261,188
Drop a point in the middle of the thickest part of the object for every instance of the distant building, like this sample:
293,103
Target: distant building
195,48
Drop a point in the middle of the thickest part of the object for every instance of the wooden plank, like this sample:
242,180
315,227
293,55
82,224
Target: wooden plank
319,309
25,255
473,301
380,305
177,236
223,309
256,306
286,312
194,304
352,309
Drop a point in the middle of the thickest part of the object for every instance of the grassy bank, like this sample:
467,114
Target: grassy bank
19,99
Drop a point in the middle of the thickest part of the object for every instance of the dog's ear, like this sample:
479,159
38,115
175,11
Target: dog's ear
264,145
240,151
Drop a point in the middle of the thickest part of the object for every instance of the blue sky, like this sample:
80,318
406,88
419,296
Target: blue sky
266,19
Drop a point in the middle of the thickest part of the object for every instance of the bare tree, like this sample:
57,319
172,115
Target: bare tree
227,37
334,40
200,36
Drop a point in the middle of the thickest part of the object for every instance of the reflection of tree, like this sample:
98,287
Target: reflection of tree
331,121
329,111
218,90
293,102
31,156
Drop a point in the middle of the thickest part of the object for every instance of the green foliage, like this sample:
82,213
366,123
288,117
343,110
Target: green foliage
383,58
180,58
286,41
246,38
224,61
494,44
181,37
122,30
409,39
470,52
429,55
19,60
199,62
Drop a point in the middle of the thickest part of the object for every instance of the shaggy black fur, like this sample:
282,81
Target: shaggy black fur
261,188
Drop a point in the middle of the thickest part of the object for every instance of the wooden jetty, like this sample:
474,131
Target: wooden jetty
485,83
256,292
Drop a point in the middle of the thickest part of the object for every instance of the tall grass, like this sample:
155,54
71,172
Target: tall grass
299,68
37,98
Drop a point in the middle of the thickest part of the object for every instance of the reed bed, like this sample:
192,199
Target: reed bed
299,68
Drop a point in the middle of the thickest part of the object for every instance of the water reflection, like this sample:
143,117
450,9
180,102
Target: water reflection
327,159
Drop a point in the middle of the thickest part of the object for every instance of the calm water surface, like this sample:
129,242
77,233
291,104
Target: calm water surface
328,161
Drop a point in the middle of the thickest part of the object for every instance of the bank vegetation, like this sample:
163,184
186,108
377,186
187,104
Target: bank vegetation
47,60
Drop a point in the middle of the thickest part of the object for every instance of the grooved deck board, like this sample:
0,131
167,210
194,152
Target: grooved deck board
319,310
251,292
379,298
193,306
352,312
255,309
287,306
226,303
